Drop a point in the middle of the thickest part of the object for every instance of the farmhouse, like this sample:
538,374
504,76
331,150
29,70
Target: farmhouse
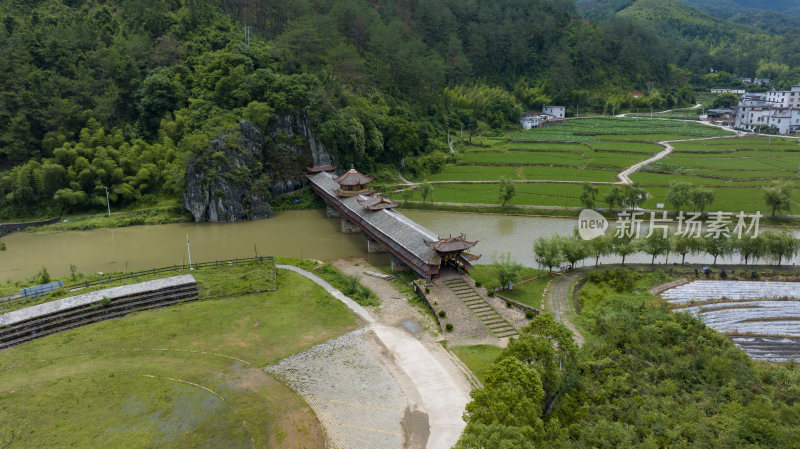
555,111
550,115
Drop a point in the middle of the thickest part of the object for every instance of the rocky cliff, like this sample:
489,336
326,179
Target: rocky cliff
240,172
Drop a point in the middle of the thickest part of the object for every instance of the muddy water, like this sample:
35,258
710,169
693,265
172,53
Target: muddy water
307,234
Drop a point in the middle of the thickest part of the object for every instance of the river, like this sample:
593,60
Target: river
305,234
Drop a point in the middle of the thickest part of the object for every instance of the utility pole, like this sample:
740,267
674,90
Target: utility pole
189,250
108,204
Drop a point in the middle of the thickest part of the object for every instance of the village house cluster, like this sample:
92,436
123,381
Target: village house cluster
761,111
549,115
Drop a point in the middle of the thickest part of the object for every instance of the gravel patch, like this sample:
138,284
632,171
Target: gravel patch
357,400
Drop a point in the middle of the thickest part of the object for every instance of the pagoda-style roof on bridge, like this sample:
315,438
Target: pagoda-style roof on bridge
376,202
353,178
451,244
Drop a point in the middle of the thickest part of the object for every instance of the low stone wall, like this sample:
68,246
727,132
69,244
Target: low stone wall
8,228
663,287
519,305
419,289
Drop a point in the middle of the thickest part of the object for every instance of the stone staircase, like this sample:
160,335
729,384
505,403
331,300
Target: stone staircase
465,292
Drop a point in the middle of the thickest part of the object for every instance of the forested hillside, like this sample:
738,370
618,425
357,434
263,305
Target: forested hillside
123,94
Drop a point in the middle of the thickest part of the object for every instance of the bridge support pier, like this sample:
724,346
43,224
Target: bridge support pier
348,227
374,247
332,212
398,265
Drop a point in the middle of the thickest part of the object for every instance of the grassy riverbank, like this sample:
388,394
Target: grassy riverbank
175,377
530,293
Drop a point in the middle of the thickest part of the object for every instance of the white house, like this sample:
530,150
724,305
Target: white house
555,111
529,121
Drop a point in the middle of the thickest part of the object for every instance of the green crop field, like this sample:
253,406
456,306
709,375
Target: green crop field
597,149
186,376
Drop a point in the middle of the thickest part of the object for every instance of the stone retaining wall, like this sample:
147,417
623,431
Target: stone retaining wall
519,305
8,228
663,287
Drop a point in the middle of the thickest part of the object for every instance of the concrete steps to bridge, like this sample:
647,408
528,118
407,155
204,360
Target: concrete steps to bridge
478,305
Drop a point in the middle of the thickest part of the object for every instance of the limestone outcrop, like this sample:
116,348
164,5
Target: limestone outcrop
238,175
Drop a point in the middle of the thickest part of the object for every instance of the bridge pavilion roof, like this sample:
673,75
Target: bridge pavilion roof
353,178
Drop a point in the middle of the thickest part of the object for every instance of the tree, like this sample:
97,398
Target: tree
750,248
725,100
512,395
548,252
624,246
685,244
573,249
614,197
588,195
679,194
655,245
717,246
633,195
425,191
547,346
701,197
781,245
507,190
600,246
778,196
506,270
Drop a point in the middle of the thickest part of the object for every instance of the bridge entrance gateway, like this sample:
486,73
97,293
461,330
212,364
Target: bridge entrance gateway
412,247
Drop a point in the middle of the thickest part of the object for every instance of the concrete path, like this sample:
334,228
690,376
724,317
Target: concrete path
429,387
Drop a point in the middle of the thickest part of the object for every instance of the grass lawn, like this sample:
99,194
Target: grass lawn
182,377
478,358
530,293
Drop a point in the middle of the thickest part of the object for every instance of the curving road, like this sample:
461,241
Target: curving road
558,300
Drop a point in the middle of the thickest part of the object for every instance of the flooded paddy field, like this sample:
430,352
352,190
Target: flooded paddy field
762,318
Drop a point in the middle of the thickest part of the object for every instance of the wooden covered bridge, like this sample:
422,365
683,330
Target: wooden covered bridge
411,246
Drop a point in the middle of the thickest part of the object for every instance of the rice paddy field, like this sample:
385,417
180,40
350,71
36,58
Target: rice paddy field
597,149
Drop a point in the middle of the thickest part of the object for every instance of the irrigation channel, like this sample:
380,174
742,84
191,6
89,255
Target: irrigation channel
303,234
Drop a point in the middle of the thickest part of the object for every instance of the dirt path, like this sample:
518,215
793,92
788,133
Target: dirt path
426,373
558,301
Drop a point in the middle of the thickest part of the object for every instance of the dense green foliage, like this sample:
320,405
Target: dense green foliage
645,378
122,94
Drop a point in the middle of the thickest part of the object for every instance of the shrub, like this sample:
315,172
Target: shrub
490,293
449,327
442,313
478,283
43,277
529,315
427,290
508,303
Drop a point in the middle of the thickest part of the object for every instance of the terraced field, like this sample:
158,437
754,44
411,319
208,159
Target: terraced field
591,150
549,164
761,317
734,168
